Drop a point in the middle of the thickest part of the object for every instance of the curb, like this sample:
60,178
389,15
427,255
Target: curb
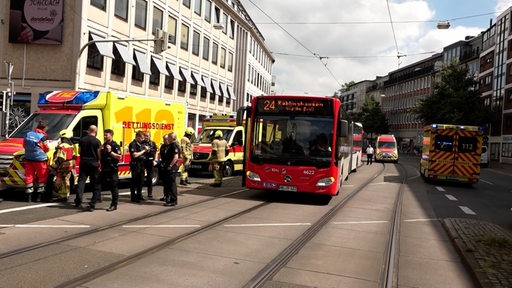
490,265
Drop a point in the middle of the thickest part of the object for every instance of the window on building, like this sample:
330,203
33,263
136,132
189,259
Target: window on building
121,9
94,58
208,11
222,57
198,5
217,15
230,62
196,39
224,23
141,11
206,48
215,53
171,29
118,64
184,37
158,17
100,4
169,80
186,3
232,29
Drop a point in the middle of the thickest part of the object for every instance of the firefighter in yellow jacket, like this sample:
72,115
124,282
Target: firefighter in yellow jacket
219,153
63,164
186,155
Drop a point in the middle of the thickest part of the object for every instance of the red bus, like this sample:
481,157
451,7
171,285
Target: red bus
357,145
296,143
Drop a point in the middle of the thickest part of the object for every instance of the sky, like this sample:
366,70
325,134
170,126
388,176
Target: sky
320,45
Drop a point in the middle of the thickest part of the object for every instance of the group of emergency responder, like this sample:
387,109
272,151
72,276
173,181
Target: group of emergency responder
53,181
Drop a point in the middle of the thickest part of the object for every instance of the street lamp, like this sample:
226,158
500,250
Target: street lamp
443,25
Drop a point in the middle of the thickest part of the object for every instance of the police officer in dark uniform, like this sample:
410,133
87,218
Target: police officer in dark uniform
169,155
137,155
110,155
149,162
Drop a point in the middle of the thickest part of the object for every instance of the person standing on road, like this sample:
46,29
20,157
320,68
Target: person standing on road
89,150
149,162
219,153
62,167
36,160
137,154
110,155
169,155
369,154
186,155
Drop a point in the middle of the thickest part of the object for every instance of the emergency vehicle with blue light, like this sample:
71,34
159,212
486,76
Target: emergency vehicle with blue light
202,147
451,153
76,111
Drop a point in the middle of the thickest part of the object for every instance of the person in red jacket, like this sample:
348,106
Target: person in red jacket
36,160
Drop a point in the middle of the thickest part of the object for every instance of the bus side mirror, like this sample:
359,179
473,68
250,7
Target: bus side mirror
343,128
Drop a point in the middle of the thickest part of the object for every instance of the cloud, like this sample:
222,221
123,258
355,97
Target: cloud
332,43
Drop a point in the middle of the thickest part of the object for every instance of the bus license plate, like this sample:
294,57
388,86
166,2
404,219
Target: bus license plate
288,188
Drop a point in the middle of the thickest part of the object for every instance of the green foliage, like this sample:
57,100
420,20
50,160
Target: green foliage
455,100
371,116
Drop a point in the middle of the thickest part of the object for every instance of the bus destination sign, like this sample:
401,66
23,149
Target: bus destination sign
296,106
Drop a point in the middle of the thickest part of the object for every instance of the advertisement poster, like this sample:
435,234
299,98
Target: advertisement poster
36,22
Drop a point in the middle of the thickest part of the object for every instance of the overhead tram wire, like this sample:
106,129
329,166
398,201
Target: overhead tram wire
300,43
398,54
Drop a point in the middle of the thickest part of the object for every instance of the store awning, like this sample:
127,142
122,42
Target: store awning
207,83
160,65
103,47
215,87
125,54
143,62
197,79
223,90
174,71
185,74
231,93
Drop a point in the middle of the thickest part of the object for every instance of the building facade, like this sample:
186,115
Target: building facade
207,58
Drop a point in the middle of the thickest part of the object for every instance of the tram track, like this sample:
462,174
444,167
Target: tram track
388,272
261,277
111,226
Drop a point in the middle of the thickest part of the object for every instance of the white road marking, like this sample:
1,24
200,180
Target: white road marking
487,182
451,197
467,210
422,220
359,222
28,207
267,224
162,226
42,226
440,189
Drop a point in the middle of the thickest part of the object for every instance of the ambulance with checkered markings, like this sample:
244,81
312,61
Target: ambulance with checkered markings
76,111
451,153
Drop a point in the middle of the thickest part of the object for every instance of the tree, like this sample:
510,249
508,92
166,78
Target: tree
455,100
373,119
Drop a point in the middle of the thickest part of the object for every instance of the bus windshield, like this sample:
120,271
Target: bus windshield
298,140
56,122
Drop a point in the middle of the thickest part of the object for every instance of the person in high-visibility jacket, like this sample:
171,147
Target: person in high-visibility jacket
186,155
63,165
219,152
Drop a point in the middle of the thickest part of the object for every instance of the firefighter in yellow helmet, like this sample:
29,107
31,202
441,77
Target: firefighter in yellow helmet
186,155
63,165
219,153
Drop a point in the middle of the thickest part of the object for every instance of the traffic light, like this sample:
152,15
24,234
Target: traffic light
161,41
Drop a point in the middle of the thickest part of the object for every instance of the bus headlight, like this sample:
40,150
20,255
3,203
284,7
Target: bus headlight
253,176
324,182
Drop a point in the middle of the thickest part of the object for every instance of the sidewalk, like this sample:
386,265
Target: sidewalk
486,248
